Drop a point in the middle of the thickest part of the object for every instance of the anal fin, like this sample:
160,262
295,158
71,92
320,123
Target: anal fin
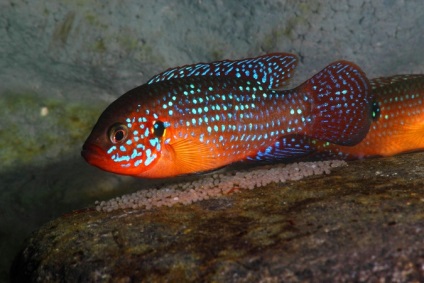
285,148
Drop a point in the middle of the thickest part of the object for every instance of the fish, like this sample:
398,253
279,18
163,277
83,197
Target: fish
201,117
397,127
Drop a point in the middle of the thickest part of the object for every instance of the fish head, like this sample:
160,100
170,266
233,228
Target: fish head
127,139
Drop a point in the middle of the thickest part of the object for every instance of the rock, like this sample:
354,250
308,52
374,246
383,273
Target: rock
363,222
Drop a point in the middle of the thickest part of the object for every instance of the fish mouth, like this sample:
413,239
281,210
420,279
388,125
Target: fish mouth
96,156
93,154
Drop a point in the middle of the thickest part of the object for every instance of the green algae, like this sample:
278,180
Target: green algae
290,29
217,54
64,28
94,20
32,126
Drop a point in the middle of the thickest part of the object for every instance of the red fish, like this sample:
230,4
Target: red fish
204,116
398,124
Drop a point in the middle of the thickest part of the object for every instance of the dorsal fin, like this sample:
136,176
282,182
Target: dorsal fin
386,81
272,70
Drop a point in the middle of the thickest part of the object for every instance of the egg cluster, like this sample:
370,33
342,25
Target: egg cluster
217,185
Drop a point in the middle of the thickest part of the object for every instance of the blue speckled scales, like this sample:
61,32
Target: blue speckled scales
200,117
332,106
337,92
273,70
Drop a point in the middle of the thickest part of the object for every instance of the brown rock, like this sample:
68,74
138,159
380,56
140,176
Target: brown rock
364,222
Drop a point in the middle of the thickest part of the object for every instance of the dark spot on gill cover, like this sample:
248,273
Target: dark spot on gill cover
159,129
375,110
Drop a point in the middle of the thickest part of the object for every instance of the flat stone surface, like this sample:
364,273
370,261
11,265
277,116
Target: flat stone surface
361,223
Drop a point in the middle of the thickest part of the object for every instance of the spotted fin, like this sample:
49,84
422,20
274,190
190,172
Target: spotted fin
341,104
272,70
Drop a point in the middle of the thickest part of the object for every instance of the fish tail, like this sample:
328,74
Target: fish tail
341,104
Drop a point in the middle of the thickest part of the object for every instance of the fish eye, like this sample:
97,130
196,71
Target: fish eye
158,129
118,133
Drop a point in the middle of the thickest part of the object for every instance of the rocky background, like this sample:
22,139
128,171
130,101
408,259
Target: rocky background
62,62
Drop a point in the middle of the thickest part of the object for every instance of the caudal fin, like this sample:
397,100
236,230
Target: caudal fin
341,104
